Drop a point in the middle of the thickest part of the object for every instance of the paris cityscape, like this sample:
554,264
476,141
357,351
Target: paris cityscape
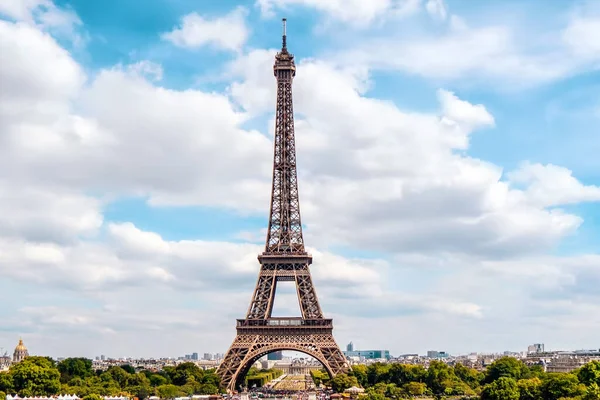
277,180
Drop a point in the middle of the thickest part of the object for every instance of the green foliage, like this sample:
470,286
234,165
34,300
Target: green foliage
505,379
508,367
529,389
40,376
258,377
556,386
377,372
415,388
592,392
92,396
320,377
70,368
503,388
185,372
169,391
342,382
35,376
470,376
128,368
2,395
360,372
589,373
6,382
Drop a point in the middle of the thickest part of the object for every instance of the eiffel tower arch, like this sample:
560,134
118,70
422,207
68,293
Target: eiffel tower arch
284,259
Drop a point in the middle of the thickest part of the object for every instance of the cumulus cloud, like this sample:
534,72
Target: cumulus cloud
491,54
397,174
373,177
437,9
552,185
228,32
356,12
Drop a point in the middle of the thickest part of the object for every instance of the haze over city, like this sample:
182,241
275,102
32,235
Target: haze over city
447,167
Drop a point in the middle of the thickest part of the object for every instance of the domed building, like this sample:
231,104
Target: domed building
20,352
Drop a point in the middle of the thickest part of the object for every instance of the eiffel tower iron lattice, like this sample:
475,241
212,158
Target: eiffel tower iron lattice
284,259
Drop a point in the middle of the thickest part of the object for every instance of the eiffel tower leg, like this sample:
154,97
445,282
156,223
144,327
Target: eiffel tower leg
262,300
247,348
309,304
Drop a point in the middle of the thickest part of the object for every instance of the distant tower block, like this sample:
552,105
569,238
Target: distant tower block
284,259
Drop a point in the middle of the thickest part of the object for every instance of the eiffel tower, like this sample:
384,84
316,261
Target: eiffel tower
284,259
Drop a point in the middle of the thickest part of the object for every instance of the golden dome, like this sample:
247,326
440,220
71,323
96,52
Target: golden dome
20,346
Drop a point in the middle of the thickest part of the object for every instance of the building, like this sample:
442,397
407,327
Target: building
20,352
275,356
437,354
536,348
350,347
369,354
5,362
207,356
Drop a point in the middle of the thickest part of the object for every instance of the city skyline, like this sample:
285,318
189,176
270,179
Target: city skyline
447,172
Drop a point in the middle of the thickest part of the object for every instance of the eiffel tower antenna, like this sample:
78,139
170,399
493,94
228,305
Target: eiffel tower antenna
284,41
284,259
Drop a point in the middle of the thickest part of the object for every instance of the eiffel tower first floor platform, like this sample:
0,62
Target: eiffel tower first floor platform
256,338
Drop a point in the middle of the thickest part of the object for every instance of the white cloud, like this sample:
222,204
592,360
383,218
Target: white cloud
491,54
44,14
580,36
396,174
466,244
228,32
357,12
458,111
437,9
552,185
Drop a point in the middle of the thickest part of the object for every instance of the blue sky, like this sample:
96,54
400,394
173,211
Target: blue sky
447,158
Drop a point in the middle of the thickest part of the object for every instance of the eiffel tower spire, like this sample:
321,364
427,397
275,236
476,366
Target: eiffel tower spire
285,227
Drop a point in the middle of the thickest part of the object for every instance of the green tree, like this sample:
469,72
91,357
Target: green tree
6,382
529,389
371,395
589,373
128,368
592,392
456,387
2,395
439,377
403,373
184,371
157,380
119,375
508,367
557,385
320,377
377,372
342,382
92,396
35,376
535,371
415,388
503,388
168,392
470,376
360,372
70,368
208,388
